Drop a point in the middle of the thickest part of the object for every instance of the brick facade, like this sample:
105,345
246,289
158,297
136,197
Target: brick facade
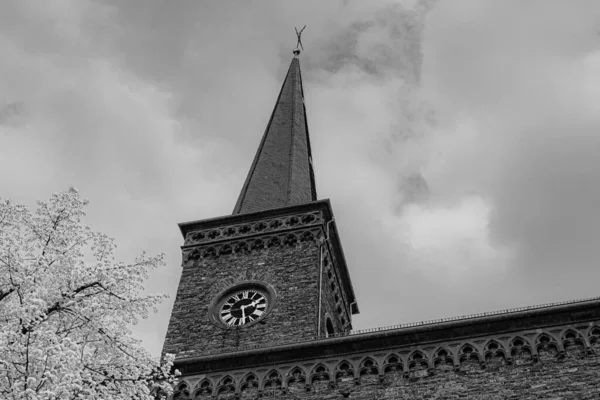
285,249
290,270
335,305
559,362
573,377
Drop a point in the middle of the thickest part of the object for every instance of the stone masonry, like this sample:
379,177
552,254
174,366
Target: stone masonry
557,362
285,249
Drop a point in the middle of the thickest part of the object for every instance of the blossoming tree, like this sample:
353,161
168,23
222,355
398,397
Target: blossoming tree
65,308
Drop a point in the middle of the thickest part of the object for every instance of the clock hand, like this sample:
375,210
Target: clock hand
243,313
254,303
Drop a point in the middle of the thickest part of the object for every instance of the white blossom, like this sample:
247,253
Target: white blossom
65,308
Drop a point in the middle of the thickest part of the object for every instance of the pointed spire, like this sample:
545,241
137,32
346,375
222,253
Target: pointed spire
281,174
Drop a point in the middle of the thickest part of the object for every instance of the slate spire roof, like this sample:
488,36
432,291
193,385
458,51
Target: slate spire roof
281,174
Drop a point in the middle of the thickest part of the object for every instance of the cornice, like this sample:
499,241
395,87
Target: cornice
527,353
255,231
233,219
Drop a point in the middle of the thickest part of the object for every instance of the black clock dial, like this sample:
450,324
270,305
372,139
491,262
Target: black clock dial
243,307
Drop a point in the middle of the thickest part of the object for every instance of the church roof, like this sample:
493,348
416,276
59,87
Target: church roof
281,174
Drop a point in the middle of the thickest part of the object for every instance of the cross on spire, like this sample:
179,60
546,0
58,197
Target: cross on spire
299,43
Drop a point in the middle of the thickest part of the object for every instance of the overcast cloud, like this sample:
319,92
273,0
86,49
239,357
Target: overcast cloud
458,140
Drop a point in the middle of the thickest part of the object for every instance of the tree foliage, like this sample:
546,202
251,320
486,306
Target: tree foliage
65,308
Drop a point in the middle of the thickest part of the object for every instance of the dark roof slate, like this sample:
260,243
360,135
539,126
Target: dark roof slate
281,174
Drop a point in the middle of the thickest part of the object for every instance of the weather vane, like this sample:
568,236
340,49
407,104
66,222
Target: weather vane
299,43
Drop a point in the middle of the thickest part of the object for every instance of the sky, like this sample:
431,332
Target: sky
458,141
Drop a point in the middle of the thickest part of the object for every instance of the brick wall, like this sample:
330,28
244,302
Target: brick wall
559,363
334,298
574,377
291,271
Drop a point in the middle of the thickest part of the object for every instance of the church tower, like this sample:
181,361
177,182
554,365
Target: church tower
274,271
264,307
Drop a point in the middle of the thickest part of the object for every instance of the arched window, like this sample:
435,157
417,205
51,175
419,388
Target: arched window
329,327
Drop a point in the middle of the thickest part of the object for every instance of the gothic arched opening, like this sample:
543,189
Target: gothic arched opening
329,327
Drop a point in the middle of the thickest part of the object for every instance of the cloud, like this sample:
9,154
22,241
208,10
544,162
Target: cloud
497,125
85,119
452,240
528,91
457,142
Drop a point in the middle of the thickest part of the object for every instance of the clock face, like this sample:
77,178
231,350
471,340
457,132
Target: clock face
243,307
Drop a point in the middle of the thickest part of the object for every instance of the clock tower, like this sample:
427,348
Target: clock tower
272,272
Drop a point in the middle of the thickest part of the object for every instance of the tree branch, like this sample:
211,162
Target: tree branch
5,294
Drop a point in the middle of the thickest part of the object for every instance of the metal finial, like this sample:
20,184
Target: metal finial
299,43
